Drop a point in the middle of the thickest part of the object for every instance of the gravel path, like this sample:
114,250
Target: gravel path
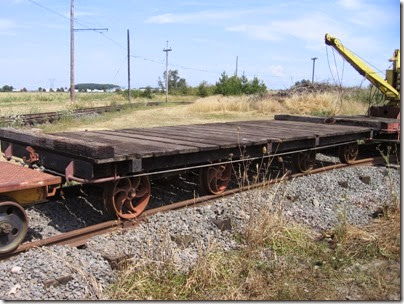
60,272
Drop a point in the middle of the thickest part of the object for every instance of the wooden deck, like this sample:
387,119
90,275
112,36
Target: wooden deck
151,149
375,123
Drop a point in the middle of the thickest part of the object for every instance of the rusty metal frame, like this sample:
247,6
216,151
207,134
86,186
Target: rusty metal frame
69,175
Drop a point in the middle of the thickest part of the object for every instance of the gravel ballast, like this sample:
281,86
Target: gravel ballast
60,272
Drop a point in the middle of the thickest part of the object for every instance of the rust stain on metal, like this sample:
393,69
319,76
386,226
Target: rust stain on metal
33,157
14,177
8,153
80,236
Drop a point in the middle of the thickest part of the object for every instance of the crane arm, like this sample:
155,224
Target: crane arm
389,91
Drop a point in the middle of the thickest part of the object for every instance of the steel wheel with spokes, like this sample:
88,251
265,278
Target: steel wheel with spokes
127,197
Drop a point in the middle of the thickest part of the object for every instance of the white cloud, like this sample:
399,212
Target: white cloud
277,70
351,4
6,26
261,32
203,16
308,28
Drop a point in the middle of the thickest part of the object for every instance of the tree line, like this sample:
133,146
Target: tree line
177,85
226,85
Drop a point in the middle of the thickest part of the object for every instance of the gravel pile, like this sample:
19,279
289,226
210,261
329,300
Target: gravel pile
319,201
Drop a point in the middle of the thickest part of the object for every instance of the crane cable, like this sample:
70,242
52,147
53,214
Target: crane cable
337,83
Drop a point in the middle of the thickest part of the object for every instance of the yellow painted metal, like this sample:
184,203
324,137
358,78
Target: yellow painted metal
385,87
27,196
396,60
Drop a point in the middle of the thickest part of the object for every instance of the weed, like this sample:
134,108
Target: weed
280,260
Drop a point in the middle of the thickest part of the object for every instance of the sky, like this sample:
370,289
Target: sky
274,40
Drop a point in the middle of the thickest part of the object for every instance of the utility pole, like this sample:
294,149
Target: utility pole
72,51
167,49
72,30
314,65
128,66
236,65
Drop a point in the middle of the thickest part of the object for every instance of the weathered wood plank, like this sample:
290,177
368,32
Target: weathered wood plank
222,131
224,140
369,122
64,145
173,134
125,145
158,139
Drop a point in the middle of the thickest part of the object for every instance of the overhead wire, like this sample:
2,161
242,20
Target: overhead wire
123,47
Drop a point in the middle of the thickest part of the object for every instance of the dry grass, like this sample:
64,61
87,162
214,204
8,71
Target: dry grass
164,115
242,104
203,110
26,102
280,260
329,103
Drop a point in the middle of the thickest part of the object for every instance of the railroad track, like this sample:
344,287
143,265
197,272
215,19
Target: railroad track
49,117
80,236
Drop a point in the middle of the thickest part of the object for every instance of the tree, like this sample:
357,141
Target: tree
6,88
23,89
202,89
147,93
176,84
228,85
221,84
239,85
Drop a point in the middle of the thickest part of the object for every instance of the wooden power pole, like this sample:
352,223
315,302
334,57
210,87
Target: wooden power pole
128,65
72,51
72,30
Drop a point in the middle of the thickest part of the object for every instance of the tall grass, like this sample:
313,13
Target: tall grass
328,103
278,259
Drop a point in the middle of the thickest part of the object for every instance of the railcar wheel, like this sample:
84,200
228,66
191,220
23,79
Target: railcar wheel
348,153
128,197
304,161
13,225
215,179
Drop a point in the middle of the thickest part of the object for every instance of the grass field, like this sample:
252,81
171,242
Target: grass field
26,102
209,109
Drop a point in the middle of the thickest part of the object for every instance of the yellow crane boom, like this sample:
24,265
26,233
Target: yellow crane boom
384,86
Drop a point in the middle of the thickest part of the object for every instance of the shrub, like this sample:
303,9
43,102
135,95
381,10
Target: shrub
235,85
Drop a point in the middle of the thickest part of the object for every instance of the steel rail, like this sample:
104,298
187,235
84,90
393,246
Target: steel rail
80,236
39,118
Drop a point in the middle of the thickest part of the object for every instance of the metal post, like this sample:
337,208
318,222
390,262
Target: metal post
167,50
72,51
236,65
314,64
128,66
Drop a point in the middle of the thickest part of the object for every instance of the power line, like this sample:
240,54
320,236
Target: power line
77,22
49,9
124,47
